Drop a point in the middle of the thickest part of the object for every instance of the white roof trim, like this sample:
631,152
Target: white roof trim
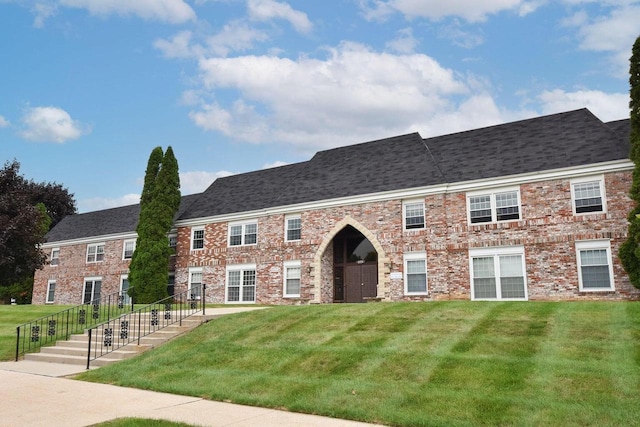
89,240
458,187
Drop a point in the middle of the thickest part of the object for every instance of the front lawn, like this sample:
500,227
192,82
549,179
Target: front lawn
13,315
412,364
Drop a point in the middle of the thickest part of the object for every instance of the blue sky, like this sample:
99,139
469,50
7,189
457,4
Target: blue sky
89,87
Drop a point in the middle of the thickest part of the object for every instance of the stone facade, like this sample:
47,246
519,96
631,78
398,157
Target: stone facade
546,234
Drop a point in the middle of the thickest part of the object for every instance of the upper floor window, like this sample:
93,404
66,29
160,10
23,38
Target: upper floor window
55,256
95,252
498,273
292,279
595,269
588,195
293,228
128,248
494,206
243,233
197,238
413,215
415,273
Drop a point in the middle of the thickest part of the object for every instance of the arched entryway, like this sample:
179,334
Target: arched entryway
355,267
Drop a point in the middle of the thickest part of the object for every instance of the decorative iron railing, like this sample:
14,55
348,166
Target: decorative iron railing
47,330
131,327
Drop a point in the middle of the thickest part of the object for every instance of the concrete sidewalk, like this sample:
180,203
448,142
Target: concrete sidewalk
35,394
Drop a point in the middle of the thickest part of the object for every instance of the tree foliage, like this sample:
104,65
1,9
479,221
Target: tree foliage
630,250
27,212
159,202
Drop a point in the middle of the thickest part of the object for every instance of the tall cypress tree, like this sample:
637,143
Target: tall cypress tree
159,202
630,250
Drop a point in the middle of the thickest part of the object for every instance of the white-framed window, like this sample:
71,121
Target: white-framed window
241,284
595,266
197,238
293,228
413,214
127,248
243,233
95,252
292,275
415,273
124,288
195,283
173,241
494,206
55,257
91,291
51,292
498,273
588,195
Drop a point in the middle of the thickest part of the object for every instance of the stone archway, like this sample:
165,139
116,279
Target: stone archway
322,266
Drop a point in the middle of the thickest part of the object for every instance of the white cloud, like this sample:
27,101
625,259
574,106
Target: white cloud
613,33
179,46
235,36
275,164
171,11
606,106
42,11
405,42
4,122
197,181
353,94
50,124
99,203
265,10
469,10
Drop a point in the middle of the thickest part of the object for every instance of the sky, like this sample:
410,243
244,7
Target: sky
89,87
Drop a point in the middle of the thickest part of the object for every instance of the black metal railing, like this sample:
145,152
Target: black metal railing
131,327
47,330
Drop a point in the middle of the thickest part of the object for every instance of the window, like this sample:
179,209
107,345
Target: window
595,269
197,238
173,241
415,273
293,226
494,207
124,288
91,291
195,283
292,279
588,195
413,215
243,233
55,256
171,284
51,291
95,252
498,274
241,284
129,247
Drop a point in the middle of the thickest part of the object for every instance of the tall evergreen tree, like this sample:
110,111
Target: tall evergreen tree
630,250
159,202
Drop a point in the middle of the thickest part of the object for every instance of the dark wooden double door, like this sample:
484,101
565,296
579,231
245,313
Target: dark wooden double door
355,267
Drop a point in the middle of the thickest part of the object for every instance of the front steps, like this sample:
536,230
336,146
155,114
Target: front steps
74,350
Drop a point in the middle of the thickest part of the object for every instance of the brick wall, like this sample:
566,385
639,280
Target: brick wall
548,231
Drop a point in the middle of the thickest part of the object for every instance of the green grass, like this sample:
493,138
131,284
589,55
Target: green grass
140,422
13,315
412,364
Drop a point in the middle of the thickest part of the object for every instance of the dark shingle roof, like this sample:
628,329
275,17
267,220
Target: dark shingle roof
118,220
574,138
556,141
